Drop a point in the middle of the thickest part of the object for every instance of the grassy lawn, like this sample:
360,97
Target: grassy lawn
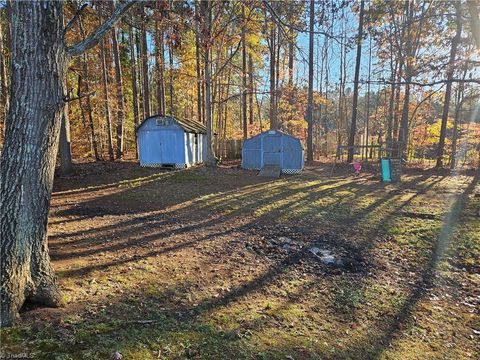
220,264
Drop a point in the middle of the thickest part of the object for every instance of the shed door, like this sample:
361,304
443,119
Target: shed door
272,150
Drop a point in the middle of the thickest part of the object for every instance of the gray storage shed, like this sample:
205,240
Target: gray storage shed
273,147
163,140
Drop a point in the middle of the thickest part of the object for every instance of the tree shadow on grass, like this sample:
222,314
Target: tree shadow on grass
162,226
426,281
186,324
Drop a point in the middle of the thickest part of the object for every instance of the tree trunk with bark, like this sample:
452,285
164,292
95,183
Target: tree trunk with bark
310,85
39,61
106,101
273,108
93,136
353,124
206,14
200,103
159,65
3,84
170,82
146,83
250,88
244,76
448,89
65,148
119,95
28,157
133,62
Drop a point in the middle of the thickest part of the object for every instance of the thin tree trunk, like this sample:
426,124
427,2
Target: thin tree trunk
93,137
291,53
133,61
141,104
403,132
391,103
170,72
353,124
459,104
206,9
448,90
244,76
367,121
250,85
198,69
106,101
146,83
120,100
310,85
65,149
273,109
159,66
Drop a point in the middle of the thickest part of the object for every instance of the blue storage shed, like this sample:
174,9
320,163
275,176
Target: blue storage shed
273,147
168,141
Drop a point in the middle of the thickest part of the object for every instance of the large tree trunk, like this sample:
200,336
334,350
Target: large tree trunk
39,61
310,85
3,84
28,157
353,124
448,90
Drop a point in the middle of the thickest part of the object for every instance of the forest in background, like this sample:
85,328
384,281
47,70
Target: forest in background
409,69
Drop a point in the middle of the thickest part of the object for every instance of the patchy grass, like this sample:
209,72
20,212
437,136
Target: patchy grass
215,264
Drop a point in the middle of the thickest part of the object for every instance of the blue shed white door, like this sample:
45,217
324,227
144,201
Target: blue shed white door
159,147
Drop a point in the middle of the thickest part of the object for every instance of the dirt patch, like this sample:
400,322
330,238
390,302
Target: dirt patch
215,264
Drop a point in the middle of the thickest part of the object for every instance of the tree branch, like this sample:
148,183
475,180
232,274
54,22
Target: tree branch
296,28
433,83
74,18
97,35
80,96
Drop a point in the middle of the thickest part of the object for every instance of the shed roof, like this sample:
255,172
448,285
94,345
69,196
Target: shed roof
273,132
190,126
